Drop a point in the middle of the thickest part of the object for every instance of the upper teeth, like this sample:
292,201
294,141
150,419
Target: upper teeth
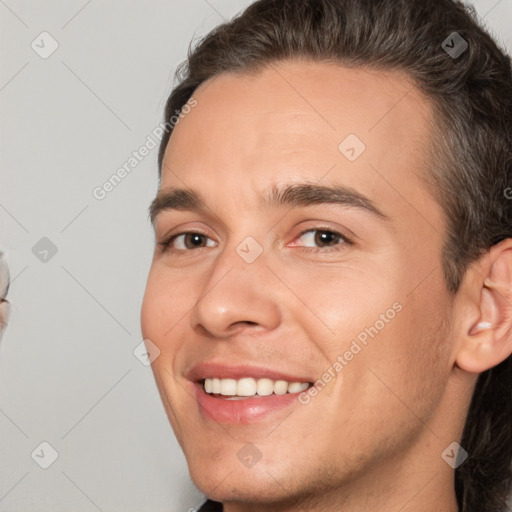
249,386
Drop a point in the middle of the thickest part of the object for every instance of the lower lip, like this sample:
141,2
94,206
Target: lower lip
247,410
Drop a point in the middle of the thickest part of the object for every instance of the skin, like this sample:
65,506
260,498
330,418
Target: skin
372,439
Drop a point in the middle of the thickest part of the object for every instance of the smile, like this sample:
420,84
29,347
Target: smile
232,389
240,410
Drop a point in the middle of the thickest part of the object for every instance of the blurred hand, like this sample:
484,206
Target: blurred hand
4,287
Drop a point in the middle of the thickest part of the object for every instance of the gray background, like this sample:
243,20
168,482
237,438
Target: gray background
68,375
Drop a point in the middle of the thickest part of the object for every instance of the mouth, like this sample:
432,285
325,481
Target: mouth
235,393
247,400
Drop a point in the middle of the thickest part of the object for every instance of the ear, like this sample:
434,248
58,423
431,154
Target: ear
486,339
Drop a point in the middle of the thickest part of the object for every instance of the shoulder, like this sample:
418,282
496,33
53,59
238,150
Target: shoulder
211,506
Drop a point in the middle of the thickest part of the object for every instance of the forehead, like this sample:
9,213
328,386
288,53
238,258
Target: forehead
298,120
300,106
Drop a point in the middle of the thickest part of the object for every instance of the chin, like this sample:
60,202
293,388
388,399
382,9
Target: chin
242,489
223,481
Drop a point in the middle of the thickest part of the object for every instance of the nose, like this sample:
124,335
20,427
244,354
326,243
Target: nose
236,297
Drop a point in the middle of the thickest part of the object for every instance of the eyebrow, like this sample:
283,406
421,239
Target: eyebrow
292,195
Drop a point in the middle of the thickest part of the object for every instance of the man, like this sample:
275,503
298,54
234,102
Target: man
331,289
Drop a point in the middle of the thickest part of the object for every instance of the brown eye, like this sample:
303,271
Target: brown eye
184,242
193,240
324,238
327,237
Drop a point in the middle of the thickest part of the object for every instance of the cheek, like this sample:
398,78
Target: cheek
395,346
410,358
162,305
151,310
348,304
157,306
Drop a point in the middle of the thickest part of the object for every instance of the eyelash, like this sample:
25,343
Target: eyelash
166,244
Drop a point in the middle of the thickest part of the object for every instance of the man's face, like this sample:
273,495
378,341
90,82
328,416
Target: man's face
269,289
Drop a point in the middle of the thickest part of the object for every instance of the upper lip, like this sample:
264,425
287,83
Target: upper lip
209,370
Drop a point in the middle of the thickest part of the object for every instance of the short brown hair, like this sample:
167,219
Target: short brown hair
471,157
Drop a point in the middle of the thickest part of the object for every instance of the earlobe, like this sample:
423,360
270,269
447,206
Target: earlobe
488,338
